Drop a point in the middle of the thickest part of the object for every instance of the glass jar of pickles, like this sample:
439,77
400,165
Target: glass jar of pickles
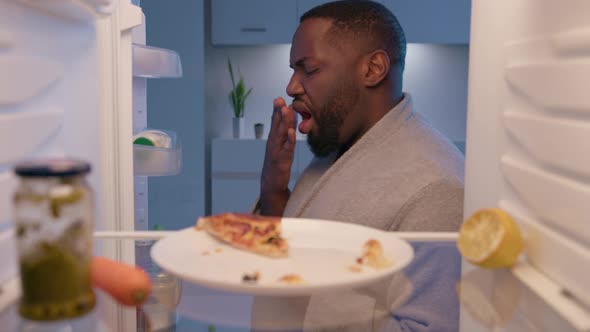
54,220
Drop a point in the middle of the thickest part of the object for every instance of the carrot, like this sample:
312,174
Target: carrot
127,284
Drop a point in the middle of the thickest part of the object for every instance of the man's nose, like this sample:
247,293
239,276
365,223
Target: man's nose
294,88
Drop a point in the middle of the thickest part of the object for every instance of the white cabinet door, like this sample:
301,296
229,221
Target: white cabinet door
237,156
234,194
235,174
433,21
239,22
236,165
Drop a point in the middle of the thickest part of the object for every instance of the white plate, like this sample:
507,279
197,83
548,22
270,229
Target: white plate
320,251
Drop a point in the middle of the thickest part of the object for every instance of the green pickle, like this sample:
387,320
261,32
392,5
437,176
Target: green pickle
56,285
56,203
54,257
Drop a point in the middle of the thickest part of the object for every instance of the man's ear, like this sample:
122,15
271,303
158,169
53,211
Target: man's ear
376,68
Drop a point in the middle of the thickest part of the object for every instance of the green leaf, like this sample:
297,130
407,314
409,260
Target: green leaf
231,99
237,96
240,88
233,102
231,73
247,94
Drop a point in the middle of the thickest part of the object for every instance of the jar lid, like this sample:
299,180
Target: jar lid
52,167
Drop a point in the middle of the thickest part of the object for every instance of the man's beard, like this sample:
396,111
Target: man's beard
330,119
325,141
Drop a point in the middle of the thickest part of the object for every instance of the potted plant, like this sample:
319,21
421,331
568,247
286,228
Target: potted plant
237,99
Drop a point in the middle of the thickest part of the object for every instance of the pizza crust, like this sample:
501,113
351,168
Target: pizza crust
291,279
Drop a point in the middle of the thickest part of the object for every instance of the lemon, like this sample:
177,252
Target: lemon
490,238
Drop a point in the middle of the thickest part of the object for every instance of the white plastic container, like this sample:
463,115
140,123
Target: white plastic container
154,62
156,160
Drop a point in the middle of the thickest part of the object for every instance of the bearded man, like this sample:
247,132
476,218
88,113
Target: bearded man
377,163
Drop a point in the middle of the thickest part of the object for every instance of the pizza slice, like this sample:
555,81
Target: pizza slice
258,234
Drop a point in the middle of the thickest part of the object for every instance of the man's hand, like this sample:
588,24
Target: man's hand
280,149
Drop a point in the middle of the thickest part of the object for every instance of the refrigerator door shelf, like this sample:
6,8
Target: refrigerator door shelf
41,126
153,62
74,10
551,252
8,268
554,297
158,161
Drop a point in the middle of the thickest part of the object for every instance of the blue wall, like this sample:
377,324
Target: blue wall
178,104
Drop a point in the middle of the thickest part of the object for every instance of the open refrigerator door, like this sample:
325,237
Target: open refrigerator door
66,91
528,138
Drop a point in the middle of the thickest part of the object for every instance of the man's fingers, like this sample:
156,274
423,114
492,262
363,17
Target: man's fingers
281,138
292,116
281,132
278,103
288,116
276,116
289,144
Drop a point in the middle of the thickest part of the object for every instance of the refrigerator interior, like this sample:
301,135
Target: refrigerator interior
528,137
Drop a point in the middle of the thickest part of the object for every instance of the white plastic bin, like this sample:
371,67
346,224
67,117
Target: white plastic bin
158,161
154,62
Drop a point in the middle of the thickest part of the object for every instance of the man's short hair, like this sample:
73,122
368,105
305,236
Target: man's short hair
365,22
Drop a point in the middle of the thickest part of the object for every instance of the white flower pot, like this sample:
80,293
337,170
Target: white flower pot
238,127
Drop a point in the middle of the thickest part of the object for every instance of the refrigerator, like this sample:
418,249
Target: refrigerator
528,138
73,77
74,84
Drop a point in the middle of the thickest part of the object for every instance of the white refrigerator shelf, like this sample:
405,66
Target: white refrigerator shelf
154,62
158,161
76,10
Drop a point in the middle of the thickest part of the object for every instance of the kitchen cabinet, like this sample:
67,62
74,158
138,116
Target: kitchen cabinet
255,22
305,5
252,22
236,165
433,21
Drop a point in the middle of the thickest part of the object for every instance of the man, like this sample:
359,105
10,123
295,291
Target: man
377,163
348,60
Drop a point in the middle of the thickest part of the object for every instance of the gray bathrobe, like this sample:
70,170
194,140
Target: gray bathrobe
402,175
